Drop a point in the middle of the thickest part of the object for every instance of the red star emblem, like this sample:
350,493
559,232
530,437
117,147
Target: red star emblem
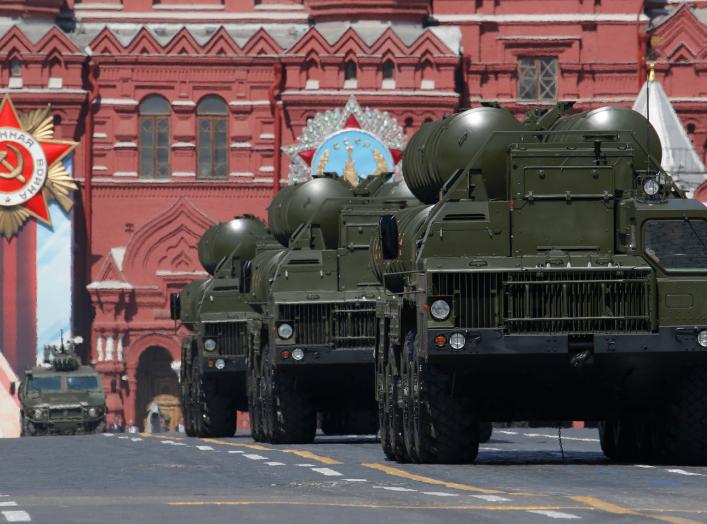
25,164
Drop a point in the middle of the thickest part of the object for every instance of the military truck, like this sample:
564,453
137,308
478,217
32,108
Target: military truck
313,353
62,396
555,272
216,312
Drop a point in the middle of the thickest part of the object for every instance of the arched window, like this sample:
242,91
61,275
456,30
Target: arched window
212,124
15,67
351,75
154,137
388,75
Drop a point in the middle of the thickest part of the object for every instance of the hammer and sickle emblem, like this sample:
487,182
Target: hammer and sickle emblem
13,171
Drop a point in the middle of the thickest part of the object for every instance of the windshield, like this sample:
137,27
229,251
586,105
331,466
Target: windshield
677,245
45,384
80,383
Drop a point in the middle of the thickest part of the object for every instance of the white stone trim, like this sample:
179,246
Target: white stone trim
183,174
388,84
14,82
98,5
118,101
125,145
166,273
267,169
100,135
427,84
244,174
100,168
183,103
187,7
164,16
542,18
267,180
240,145
344,92
237,103
41,91
267,136
131,174
350,84
311,84
55,82
183,145
109,284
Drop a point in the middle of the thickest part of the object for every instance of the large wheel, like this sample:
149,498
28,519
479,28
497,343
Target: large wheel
392,418
296,416
628,438
485,432
254,402
213,415
444,427
684,431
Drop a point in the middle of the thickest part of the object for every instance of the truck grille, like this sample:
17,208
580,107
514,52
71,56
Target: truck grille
231,337
63,413
344,325
550,301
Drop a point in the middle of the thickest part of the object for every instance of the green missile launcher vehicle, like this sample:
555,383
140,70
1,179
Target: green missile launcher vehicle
554,273
214,310
61,397
313,354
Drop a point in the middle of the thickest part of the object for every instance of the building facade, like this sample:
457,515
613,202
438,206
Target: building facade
182,109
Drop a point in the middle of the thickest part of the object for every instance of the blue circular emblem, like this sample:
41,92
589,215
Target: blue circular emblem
352,154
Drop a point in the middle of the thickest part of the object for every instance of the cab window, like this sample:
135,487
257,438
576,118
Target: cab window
677,245
45,384
81,383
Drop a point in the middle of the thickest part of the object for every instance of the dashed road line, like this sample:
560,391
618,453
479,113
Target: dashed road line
355,480
253,456
506,432
608,507
312,456
491,498
395,472
484,448
440,494
394,488
237,444
16,516
138,439
305,465
555,514
204,448
686,473
8,503
275,463
327,472
236,451
644,466
544,435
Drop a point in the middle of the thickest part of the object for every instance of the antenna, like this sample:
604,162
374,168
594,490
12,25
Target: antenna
651,79
61,331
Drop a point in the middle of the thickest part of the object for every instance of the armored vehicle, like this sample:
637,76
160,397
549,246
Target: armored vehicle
62,396
555,273
313,353
216,312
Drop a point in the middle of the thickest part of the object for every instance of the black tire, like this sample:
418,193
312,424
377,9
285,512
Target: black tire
213,415
254,402
445,429
684,429
629,438
485,432
395,448
296,417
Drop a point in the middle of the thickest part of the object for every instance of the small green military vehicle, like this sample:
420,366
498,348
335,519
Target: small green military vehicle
554,273
216,313
62,397
311,361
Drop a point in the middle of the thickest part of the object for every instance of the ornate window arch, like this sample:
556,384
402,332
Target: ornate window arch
388,74
350,74
155,113
212,137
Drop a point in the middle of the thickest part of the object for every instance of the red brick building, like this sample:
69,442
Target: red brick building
182,109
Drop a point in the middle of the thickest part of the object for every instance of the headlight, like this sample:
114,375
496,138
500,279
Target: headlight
298,354
37,412
220,364
651,187
91,412
209,344
457,341
702,338
284,331
440,309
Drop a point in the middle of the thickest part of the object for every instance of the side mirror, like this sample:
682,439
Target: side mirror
175,308
113,386
388,231
13,388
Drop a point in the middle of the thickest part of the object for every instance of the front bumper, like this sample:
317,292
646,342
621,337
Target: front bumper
496,342
322,355
232,364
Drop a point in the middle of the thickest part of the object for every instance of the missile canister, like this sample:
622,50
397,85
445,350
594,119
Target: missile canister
237,237
629,126
439,148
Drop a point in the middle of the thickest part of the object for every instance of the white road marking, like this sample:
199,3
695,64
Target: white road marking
306,465
355,480
544,435
16,516
237,452
167,441
136,439
439,494
124,438
7,503
394,488
327,472
253,456
683,472
179,444
275,463
205,448
482,448
554,514
644,466
107,434
491,498
506,432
